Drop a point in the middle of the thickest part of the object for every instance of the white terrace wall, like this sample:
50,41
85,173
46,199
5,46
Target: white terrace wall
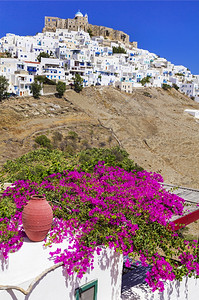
25,265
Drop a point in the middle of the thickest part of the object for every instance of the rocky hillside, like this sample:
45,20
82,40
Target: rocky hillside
150,124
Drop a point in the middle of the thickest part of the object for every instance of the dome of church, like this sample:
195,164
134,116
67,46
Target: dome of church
78,14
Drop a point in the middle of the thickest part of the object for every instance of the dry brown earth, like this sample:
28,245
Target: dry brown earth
21,120
155,130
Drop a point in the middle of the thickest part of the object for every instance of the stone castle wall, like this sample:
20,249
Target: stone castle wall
109,33
134,44
81,23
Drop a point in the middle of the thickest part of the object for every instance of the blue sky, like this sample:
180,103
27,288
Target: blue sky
167,28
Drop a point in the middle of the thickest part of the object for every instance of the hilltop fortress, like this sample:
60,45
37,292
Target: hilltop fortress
80,22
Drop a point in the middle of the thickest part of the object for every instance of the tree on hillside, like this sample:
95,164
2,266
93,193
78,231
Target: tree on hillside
175,86
78,83
119,50
42,54
60,88
145,80
3,87
166,86
35,89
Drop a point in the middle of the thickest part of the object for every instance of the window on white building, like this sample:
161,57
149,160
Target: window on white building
87,291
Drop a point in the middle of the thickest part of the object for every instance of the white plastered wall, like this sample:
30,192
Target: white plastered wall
32,259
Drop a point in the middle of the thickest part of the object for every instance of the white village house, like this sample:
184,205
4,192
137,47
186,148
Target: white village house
75,51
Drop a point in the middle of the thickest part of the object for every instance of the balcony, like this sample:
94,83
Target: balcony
31,69
50,71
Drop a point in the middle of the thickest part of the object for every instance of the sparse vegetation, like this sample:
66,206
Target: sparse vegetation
57,136
72,135
166,86
179,74
147,94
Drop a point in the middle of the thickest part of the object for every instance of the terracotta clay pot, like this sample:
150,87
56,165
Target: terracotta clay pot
37,217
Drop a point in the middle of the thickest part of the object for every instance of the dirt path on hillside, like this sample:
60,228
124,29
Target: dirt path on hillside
21,120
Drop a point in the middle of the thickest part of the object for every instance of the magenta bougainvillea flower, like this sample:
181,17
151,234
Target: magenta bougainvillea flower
112,208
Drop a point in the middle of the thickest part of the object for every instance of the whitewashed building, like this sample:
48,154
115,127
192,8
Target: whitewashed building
77,53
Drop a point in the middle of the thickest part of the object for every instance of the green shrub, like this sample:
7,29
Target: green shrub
34,165
85,144
90,32
145,80
70,149
72,135
166,86
42,162
102,144
112,157
57,137
42,54
7,208
147,94
43,141
175,86
43,79
119,50
179,74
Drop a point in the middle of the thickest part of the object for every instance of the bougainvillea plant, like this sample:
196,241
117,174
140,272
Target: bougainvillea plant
110,207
